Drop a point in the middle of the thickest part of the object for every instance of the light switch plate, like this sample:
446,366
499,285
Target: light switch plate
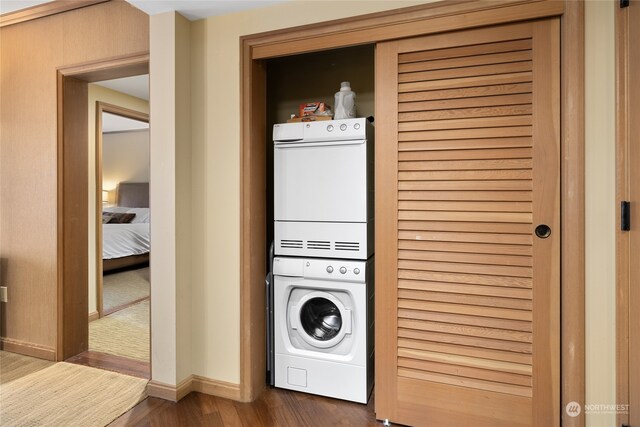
3,294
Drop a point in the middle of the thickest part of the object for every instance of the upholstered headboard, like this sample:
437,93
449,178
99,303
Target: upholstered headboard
133,194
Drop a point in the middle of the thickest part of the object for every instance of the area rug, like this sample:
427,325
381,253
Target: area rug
14,366
126,287
65,394
123,333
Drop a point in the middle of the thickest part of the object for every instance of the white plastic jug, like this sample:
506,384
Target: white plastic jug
345,105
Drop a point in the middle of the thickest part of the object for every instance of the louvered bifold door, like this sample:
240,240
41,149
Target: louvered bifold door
467,228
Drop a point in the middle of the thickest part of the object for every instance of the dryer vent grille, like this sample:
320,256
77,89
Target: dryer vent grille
293,244
319,244
347,246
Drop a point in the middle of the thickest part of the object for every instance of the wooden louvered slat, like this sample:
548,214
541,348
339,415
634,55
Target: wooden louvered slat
523,196
471,310
475,279
466,330
468,154
488,185
424,285
456,267
521,217
465,144
473,227
473,248
465,206
481,70
498,79
481,96
457,113
463,371
463,175
466,61
462,319
453,349
454,52
465,107
485,343
458,298
472,362
488,238
458,165
466,123
463,257
496,132
466,382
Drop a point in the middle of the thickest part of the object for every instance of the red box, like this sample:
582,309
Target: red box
311,108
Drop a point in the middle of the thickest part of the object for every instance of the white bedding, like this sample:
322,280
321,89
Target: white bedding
122,240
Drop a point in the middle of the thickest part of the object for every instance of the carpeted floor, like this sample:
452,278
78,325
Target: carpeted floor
119,289
123,333
14,366
63,394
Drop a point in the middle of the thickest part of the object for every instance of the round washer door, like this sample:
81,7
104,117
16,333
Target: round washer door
321,319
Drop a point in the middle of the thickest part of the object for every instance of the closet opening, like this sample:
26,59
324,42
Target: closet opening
322,194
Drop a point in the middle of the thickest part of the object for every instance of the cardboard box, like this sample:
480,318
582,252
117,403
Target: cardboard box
311,108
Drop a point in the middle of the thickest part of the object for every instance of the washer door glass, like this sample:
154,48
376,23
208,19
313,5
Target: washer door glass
320,319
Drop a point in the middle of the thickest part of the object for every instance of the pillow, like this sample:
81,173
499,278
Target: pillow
117,218
142,214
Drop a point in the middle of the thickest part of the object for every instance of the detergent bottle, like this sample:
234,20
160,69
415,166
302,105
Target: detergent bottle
345,105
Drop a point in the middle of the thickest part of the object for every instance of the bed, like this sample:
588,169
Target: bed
126,244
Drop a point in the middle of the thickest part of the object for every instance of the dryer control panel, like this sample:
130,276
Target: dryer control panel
320,268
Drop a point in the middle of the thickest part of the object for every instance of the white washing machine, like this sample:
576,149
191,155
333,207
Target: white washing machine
323,321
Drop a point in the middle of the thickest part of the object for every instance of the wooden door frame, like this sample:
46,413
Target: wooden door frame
104,107
395,24
626,243
72,193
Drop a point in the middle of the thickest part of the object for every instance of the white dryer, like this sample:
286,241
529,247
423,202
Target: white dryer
323,189
323,321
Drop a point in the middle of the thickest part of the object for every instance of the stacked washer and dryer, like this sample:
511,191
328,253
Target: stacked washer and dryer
323,298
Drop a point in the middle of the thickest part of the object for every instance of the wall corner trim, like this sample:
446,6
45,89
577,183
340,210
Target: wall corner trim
194,383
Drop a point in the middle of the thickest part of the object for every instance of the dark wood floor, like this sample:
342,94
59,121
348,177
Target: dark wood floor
276,407
113,363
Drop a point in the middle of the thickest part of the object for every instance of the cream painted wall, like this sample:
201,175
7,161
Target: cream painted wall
125,158
170,198
99,93
600,290
215,186
215,87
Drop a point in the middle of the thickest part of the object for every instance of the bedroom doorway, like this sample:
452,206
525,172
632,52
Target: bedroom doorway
121,333
119,279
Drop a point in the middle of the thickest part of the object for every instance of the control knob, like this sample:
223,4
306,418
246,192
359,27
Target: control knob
356,271
329,269
343,270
